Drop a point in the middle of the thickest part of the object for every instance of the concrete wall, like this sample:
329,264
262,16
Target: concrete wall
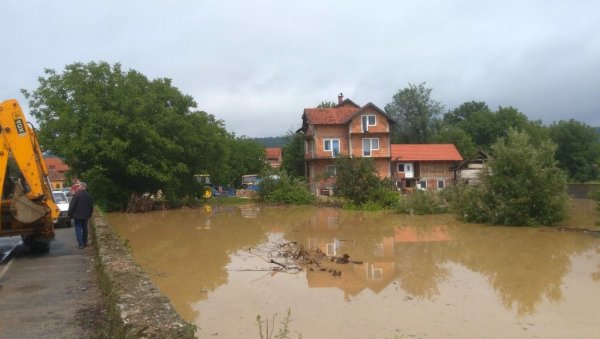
136,307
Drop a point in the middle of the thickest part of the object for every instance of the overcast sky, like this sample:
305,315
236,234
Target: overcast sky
257,64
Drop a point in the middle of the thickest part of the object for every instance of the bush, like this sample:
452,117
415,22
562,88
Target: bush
283,189
522,186
422,202
466,202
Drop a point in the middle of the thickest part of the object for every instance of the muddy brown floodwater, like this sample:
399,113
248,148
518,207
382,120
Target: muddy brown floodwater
407,276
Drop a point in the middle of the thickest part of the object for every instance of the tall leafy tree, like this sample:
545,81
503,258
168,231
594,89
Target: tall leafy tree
416,112
449,134
124,133
485,126
243,156
578,150
293,154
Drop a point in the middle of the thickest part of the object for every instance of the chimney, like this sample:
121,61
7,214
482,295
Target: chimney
340,98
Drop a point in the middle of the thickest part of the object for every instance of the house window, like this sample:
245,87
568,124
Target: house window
441,184
404,168
332,145
367,120
423,184
369,145
331,171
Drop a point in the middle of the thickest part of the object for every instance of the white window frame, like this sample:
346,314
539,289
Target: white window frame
371,148
366,118
332,172
443,182
331,148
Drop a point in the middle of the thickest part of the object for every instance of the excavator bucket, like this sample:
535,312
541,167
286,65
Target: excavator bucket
23,209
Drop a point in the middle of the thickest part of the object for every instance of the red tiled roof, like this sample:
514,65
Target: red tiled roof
329,116
55,175
425,152
56,164
273,152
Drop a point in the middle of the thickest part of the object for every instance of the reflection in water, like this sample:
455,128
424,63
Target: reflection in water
200,259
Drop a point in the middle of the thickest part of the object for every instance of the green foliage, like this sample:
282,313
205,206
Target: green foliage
284,189
384,197
522,186
242,156
578,150
293,154
272,141
326,104
484,127
449,134
356,178
422,202
416,114
467,202
125,134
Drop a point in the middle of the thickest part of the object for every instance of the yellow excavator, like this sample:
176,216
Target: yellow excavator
28,208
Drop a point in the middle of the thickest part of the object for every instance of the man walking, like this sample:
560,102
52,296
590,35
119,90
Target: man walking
81,208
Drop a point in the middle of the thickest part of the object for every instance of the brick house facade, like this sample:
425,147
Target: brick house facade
346,129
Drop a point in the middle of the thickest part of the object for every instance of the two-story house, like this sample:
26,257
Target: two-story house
273,156
345,129
56,172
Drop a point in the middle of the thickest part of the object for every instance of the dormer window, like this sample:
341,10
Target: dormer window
367,120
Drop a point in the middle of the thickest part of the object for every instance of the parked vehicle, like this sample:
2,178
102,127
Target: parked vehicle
62,201
208,189
249,180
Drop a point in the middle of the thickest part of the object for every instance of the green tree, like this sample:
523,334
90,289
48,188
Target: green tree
449,134
485,126
355,179
125,134
326,104
416,113
242,155
522,185
578,150
293,154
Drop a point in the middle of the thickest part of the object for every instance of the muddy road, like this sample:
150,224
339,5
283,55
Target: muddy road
52,295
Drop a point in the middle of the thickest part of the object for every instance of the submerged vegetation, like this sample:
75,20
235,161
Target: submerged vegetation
267,331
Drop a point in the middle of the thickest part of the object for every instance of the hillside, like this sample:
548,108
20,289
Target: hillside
272,141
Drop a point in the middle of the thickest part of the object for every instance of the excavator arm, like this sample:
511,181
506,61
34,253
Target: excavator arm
32,208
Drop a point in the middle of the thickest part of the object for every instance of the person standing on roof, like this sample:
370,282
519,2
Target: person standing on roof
81,208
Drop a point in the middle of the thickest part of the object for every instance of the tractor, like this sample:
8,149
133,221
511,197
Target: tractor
207,190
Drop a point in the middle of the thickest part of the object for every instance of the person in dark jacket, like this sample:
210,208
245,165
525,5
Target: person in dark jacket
81,208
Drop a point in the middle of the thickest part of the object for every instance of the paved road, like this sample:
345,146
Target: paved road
54,295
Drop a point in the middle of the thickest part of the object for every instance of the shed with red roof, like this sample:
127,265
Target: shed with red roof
423,166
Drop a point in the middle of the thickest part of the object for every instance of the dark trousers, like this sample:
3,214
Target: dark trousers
81,231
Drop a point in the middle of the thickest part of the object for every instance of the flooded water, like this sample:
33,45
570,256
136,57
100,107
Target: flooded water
407,276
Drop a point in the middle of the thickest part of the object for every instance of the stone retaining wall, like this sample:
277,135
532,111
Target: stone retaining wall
136,307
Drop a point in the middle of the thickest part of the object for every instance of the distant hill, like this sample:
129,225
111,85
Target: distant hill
272,141
597,129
